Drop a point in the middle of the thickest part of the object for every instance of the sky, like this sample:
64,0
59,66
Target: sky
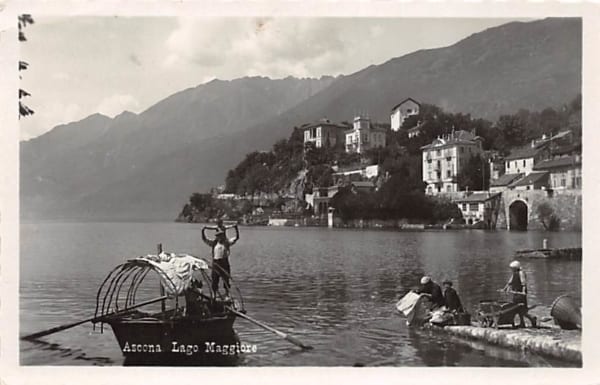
79,66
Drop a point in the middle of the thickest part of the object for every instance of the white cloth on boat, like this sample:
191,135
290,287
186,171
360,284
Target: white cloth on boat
175,270
415,307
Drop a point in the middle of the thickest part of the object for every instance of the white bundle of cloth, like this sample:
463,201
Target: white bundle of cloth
175,270
415,307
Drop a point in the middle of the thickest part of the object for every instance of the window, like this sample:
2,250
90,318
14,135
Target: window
462,150
464,207
524,163
439,164
428,175
448,188
438,152
448,174
473,206
563,182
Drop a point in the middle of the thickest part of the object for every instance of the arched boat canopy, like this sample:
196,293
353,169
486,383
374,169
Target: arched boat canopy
175,271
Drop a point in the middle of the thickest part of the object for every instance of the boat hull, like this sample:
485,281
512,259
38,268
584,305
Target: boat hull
185,341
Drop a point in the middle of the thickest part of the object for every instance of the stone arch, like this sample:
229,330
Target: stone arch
518,215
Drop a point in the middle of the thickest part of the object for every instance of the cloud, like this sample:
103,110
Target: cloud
115,104
260,46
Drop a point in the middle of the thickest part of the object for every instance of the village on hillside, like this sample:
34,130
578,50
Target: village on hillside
315,176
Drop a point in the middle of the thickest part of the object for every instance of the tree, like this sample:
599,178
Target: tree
512,132
24,110
445,209
549,219
474,175
320,175
201,202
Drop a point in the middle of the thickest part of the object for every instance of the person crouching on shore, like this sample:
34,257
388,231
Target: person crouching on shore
433,290
451,298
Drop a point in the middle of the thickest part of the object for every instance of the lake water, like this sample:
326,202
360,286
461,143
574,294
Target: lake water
333,289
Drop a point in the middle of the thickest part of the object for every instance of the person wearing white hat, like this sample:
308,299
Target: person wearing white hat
433,290
517,285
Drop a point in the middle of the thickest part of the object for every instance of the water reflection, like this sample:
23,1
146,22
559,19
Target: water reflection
333,289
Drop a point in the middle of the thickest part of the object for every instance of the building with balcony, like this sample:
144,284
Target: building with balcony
445,157
403,110
363,136
324,133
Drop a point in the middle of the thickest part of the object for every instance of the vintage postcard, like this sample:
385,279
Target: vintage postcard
367,190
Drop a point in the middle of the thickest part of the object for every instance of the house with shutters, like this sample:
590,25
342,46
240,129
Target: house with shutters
362,136
324,133
444,159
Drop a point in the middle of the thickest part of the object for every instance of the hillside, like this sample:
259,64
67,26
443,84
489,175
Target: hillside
143,166
67,172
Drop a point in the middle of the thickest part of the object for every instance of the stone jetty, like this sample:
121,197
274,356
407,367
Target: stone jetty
544,340
572,253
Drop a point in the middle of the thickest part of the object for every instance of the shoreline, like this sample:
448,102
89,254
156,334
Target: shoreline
544,340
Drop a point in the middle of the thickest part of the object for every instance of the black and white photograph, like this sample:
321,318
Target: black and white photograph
301,191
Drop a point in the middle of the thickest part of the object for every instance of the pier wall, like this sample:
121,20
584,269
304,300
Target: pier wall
567,205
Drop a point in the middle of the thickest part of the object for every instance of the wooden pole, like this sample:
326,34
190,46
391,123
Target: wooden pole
281,334
92,319
163,305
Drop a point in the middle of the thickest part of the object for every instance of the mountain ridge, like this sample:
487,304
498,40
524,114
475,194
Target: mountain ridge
517,65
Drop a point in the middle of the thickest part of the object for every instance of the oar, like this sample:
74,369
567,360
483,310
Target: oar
281,334
92,319
511,292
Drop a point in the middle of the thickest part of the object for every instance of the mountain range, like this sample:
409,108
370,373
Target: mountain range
144,166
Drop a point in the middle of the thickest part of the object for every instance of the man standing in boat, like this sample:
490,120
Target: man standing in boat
517,285
220,247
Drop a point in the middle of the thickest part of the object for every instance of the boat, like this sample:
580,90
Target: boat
197,330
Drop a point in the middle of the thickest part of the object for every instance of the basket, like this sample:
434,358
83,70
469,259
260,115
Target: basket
566,313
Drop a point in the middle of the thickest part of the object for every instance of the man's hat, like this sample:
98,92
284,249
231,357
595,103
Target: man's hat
447,282
515,265
425,280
